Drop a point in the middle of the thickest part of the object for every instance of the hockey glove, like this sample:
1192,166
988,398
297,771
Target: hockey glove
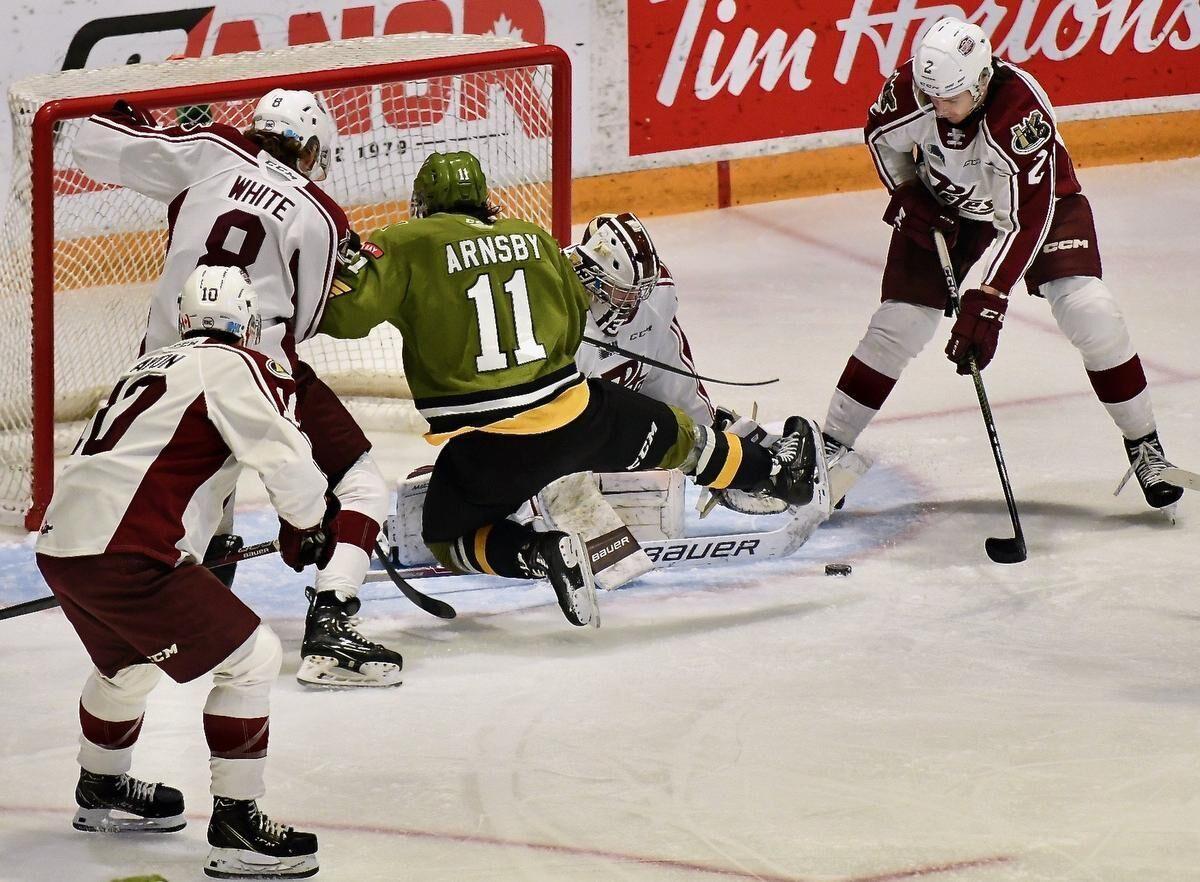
300,548
916,213
976,331
125,112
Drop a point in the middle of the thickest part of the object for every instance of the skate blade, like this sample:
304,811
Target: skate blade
1168,512
580,606
321,670
239,863
116,821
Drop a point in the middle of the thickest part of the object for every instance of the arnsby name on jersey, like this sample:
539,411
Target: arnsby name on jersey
487,250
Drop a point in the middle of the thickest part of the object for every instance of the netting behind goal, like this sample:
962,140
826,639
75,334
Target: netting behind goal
79,259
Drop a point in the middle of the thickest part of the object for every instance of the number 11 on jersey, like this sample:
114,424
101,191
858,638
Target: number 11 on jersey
528,349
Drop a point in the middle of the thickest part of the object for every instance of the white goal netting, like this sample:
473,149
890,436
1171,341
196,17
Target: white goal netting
394,99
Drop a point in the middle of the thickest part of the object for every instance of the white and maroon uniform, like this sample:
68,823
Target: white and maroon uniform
654,331
132,515
155,464
228,204
231,204
1008,175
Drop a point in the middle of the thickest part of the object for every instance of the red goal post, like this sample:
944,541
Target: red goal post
526,155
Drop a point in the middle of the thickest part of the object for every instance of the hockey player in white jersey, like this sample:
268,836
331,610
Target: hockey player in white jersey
250,199
121,545
968,145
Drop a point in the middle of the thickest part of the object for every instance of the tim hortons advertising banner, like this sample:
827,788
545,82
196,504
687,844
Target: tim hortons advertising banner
708,72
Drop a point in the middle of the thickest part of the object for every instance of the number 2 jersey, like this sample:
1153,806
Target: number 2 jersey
491,315
228,204
154,466
1005,163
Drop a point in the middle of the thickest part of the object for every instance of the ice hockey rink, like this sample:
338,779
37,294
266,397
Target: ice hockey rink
932,716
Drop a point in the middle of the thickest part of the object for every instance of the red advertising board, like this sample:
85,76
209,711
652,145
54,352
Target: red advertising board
706,72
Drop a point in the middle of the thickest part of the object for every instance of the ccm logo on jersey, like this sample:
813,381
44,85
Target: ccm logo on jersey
163,654
1065,245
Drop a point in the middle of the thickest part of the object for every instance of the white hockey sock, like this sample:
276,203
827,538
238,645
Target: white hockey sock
110,717
364,498
345,571
236,721
1135,417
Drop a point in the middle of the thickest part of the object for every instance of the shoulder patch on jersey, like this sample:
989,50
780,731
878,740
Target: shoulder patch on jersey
278,369
886,102
371,250
1031,133
338,288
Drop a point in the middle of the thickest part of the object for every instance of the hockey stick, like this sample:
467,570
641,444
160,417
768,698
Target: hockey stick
41,603
999,550
645,359
691,551
1181,478
429,604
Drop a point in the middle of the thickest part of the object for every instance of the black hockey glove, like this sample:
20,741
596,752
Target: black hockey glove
127,113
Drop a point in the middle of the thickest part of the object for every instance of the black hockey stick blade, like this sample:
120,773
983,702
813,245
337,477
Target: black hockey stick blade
29,606
431,605
1006,551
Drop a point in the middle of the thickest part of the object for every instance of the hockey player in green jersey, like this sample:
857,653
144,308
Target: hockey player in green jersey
491,314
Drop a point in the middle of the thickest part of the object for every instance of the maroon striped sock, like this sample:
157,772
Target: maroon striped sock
109,734
864,384
236,737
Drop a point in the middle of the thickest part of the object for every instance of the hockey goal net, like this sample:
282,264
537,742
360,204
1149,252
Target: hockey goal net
79,260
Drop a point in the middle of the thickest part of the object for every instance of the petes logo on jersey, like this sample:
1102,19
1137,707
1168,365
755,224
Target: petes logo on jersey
1031,133
886,102
278,369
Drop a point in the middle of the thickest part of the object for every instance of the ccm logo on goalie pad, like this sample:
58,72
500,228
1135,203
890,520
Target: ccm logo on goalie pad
1065,245
672,552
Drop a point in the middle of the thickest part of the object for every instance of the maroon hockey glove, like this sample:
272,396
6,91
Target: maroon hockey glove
125,112
300,548
916,213
976,331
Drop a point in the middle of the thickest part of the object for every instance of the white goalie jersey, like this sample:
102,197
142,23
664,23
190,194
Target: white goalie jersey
153,467
227,204
653,331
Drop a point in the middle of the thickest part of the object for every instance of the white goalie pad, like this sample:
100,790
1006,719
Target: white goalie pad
404,530
650,502
574,503
844,471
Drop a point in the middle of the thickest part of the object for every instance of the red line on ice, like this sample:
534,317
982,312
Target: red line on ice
469,839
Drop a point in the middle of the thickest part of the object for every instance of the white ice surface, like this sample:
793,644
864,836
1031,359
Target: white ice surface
934,715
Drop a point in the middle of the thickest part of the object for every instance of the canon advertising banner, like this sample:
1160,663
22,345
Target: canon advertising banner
712,72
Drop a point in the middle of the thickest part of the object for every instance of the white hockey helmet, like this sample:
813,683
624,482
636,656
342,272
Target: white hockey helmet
301,116
220,298
953,57
618,265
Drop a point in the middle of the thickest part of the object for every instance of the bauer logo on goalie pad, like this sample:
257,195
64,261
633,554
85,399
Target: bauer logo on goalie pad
692,551
1031,133
611,548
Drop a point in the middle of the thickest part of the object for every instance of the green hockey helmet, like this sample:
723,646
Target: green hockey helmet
448,182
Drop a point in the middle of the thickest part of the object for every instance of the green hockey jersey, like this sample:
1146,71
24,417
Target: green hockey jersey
491,316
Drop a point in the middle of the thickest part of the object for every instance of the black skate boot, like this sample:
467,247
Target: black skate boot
799,462
106,803
1146,461
563,559
334,654
246,844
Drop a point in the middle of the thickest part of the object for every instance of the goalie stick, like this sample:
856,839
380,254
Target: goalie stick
431,605
41,603
999,550
1181,478
690,551
653,362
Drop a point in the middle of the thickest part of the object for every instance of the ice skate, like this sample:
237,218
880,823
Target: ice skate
563,559
121,804
335,654
800,462
246,844
1147,461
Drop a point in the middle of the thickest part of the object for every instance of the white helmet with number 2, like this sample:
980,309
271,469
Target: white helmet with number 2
954,57
220,298
298,115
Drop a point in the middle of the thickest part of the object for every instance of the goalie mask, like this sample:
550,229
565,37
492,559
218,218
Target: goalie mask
220,298
954,57
618,266
298,116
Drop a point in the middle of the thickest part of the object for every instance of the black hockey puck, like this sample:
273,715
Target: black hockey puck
837,569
